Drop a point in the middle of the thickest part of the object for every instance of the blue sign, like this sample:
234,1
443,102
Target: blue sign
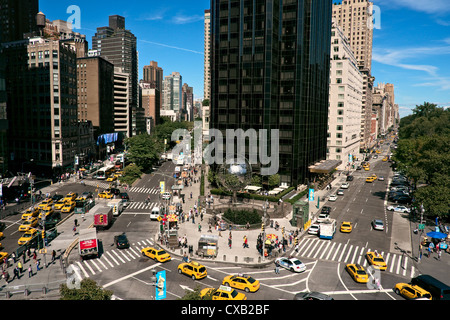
160,285
311,194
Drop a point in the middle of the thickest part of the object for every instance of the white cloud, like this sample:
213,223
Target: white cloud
182,19
438,7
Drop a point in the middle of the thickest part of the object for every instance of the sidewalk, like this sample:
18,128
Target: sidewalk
51,275
237,254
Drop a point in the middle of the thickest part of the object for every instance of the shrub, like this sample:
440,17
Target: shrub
241,217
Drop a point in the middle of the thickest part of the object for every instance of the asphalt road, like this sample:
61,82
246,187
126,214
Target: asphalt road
128,274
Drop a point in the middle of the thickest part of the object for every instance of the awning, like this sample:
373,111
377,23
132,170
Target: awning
325,166
252,188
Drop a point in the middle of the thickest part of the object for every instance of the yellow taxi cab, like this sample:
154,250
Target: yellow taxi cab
376,260
378,151
118,174
45,203
60,204
27,236
30,213
346,227
357,272
47,211
28,224
374,176
193,269
367,168
111,178
3,255
105,195
410,291
68,207
70,196
155,254
241,282
222,293
385,159
370,179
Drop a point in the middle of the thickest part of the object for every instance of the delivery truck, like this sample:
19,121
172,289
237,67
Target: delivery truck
327,229
88,243
103,216
117,206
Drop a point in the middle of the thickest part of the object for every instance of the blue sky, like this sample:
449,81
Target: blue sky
411,49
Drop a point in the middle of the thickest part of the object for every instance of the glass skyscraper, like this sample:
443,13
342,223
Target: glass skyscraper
270,67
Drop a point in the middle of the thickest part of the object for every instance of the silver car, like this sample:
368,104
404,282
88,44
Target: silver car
378,224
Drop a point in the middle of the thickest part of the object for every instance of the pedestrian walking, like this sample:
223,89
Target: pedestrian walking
38,264
16,273
30,271
439,255
229,242
277,267
20,266
53,255
74,230
199,227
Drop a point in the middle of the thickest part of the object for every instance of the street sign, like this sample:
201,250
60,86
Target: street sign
162,186
422,226
311,194
161,285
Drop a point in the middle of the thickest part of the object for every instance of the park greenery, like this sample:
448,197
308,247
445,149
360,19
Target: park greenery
144,150
423,155
89,290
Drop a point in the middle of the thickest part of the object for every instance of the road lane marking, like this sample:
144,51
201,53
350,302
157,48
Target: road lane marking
131,275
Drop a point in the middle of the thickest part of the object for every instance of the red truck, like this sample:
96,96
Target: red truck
88,243
103,216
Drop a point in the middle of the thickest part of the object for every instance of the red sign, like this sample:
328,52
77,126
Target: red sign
88,244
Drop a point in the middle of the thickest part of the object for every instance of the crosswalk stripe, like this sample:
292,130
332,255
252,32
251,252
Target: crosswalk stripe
106,259
348,254
136,253
331,250
325,250
354,255
129,253
115,253
310,242
343,251
93,262
318,250
89,267
82,269
113,258
337,250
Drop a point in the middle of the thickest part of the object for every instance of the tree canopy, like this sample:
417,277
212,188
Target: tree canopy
423,154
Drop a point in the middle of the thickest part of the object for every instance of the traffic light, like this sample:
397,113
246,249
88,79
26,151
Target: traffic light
101,219
282,230
262,227
43,234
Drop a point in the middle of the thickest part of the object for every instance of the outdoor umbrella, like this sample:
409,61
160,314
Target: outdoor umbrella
436,235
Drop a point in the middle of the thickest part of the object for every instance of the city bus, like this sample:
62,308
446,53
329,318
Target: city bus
105,172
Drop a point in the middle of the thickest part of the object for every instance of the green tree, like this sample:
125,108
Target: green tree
144,150
195,295
89,290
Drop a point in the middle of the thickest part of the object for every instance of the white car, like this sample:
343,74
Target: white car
314,229
345,185
332,197
291,264
322,217
377,224
402,209
340,192
381,178
166,196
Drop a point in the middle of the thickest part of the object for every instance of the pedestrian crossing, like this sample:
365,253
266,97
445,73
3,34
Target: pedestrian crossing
110,259
144,205
101,185
145,190
348,253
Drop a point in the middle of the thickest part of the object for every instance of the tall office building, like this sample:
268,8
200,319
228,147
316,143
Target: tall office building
152,91
355,18
42,103
153,75
270,70
122,110
346,91
119,46
187,98
96,93
17,19
172,92
207,62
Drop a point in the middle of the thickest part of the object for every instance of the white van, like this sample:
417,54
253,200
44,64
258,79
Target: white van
117,206
154,214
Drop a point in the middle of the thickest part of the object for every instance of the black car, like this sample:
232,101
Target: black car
326,210
349,178
57,197
121,241
124,196
402,199
114,191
